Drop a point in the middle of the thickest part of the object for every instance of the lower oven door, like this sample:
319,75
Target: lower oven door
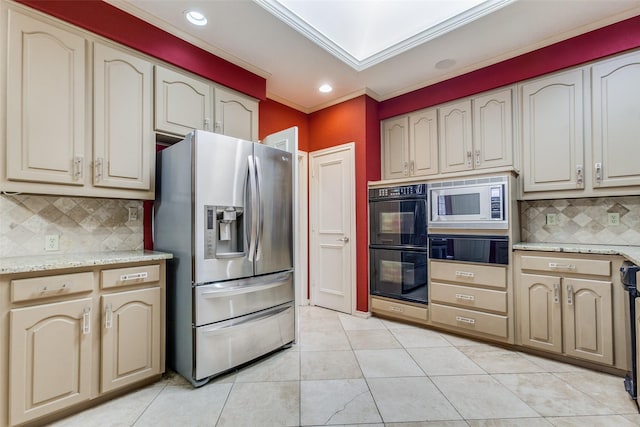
225,300
224,345
399,274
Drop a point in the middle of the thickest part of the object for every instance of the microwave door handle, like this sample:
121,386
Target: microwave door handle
260,203
254,201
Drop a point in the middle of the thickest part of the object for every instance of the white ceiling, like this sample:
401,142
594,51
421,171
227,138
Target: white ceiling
247,34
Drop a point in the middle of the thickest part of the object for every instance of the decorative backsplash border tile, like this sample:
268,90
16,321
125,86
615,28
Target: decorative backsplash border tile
82,224
582,221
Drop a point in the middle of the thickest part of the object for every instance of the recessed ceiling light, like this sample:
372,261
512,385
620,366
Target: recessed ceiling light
325,88
195,17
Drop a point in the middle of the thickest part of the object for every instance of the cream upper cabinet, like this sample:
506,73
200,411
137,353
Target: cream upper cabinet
49,358
45,103
236,115
130,337
124,144
423,142
395,148
616,121
454,136
493,130
410,145
552,132
182,103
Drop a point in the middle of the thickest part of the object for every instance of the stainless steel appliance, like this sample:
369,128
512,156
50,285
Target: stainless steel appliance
398,242
224,209
483,249
629,280
480,203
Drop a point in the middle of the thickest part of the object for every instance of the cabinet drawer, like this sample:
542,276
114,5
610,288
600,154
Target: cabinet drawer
567,265
487,275
477,298
470,320
398,309
50,286
129,276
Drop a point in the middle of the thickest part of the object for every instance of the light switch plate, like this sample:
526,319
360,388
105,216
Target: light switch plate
613,218
552,219
133,213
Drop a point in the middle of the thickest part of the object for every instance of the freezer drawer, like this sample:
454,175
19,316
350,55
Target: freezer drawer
224,345
225,300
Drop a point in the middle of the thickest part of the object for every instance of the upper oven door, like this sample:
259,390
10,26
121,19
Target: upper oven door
398,222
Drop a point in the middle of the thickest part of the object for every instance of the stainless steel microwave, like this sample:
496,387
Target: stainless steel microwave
479,203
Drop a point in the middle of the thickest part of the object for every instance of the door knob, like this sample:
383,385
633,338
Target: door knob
343,239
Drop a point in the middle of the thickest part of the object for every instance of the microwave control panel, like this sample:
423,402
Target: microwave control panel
497,206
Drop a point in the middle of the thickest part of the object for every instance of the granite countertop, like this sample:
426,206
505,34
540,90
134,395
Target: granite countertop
31,263
632,253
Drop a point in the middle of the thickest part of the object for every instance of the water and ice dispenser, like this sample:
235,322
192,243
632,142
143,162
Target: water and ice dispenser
224,232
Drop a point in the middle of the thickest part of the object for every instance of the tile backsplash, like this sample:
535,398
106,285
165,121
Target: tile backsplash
82,224
582,221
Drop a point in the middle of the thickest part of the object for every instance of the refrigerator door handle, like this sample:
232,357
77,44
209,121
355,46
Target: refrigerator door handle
261,209
254,202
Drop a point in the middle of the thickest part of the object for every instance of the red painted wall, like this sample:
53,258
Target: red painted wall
110,22
587,47
353,121
275,117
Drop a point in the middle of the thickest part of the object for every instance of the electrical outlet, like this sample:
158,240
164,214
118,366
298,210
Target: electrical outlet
51,242
133,214
613,218
552,219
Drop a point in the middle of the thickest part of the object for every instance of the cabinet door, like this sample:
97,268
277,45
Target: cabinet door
552,132
130,337
123,137
395,148
456,146
49,358
182,103
616,121
540,312
236,115
493,130
423,143
588,319
45,103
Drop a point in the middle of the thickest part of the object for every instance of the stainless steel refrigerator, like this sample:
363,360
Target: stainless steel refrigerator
224,209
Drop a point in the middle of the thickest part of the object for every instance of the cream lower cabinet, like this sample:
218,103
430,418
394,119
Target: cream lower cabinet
471,298
560,312
130,337
49,358
71,341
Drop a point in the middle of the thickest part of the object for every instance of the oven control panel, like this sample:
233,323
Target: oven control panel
400,191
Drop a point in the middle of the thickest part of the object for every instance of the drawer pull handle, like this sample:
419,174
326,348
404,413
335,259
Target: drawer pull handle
134,276
465,297
396,308
467,274
86,321
465,320
62,288
562,266
108,317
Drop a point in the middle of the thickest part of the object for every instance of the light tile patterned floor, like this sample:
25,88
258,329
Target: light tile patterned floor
345,370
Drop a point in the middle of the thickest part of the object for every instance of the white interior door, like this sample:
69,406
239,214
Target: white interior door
333,245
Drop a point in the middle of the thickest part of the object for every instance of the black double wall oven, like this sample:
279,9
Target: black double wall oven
398,242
